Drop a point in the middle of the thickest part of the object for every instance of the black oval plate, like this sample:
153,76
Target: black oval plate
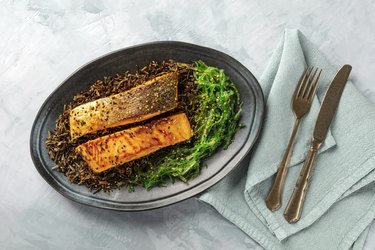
218,166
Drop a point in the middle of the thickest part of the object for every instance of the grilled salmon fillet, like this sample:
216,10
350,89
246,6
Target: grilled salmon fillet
115,149
140,103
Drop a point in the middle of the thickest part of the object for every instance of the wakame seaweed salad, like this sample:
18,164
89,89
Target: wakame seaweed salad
207,96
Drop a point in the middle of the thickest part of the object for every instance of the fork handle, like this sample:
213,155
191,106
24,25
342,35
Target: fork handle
273,200
293,210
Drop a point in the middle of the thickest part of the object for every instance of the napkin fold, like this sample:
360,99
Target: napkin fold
340,203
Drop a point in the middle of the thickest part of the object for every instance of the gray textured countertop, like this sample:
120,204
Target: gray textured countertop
42,42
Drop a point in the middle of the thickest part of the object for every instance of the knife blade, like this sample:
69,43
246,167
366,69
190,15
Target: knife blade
330,103
326,114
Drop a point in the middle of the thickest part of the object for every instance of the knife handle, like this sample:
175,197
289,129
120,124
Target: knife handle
293,210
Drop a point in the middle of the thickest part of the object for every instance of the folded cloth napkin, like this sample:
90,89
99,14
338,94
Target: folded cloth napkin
340,203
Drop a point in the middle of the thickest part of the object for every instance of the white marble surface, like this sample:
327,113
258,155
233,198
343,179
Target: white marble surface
42,42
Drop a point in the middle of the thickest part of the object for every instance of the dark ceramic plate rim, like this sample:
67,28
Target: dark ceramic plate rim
256,125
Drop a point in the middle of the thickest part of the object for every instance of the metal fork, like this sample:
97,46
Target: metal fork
301,104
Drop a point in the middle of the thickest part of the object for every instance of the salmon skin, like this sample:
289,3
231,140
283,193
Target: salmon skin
118,148
140,103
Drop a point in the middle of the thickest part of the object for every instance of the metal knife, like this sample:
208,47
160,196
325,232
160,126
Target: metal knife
326,114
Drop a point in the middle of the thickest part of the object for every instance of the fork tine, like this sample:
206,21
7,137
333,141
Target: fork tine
299,84
302,81
313,88
311,84
305,83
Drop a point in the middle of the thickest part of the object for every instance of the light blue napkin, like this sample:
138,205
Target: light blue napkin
340,203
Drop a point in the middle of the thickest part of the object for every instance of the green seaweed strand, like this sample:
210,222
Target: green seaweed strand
216,111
